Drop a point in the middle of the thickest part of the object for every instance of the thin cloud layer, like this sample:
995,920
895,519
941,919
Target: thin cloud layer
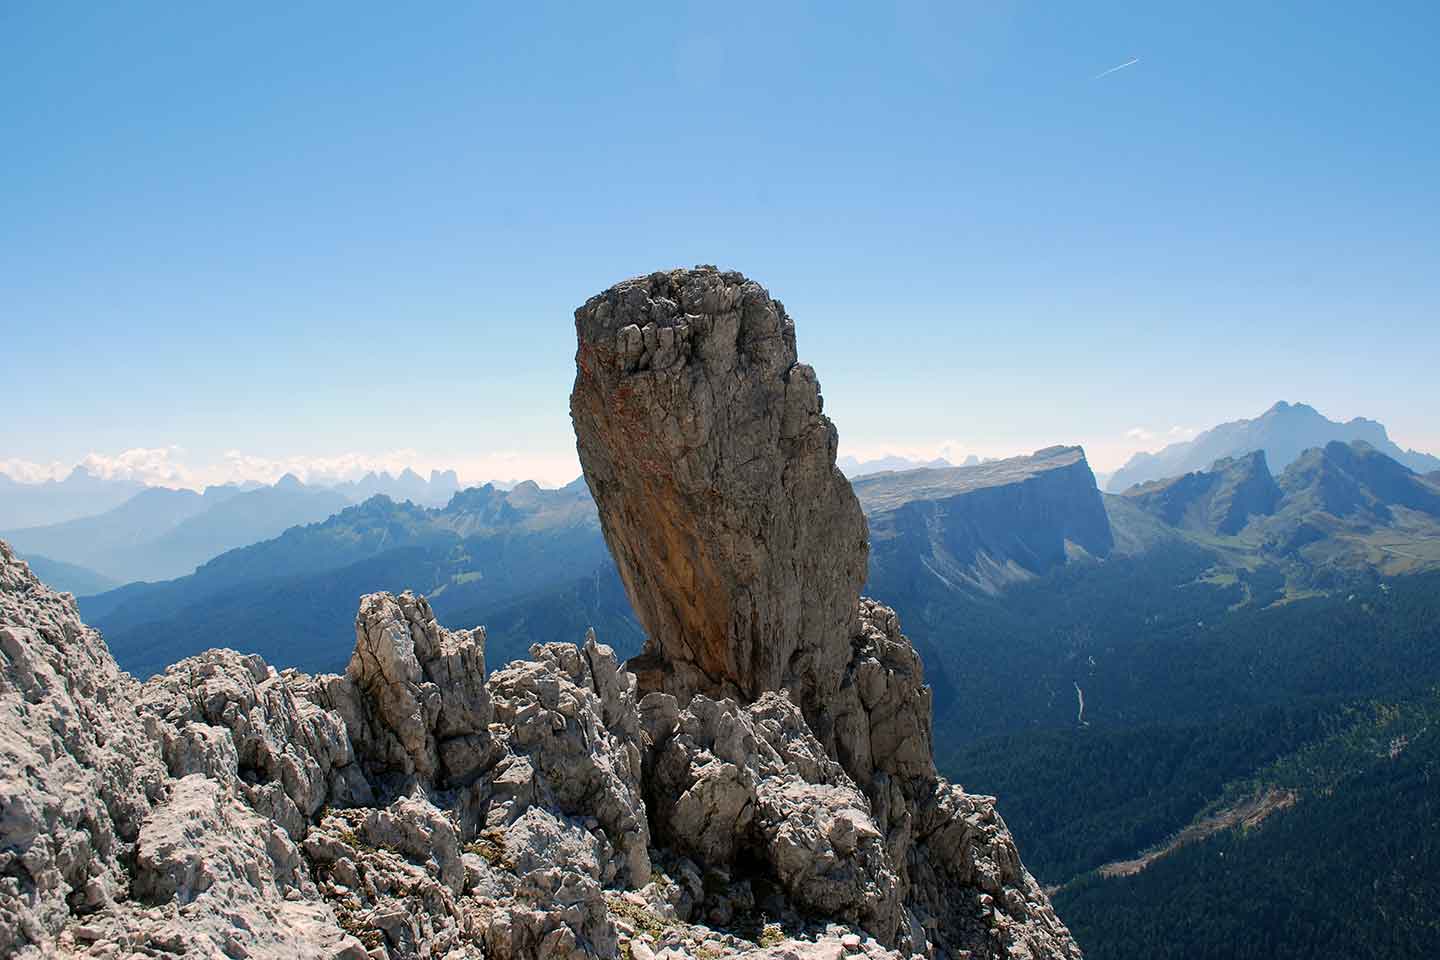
1117,68
1173,435
172,467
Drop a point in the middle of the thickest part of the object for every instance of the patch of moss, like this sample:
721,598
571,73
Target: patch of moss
490,846
645,921
771,935
350,922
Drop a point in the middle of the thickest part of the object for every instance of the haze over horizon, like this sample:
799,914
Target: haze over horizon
170,466
334,240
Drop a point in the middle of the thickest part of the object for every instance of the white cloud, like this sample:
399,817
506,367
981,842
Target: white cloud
1172,435
27,471
1117,68
169,466
955,451
152,465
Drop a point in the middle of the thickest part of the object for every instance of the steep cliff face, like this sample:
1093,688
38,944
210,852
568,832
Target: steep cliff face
703,441
985,526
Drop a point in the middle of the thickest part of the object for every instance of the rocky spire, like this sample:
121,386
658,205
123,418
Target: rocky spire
703,440
414,807
743,550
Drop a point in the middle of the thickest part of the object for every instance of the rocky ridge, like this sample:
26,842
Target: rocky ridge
557,808
1220,500
1283,432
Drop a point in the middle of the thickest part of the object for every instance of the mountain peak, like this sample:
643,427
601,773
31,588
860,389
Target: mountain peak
1327,490
1284,432
1222,499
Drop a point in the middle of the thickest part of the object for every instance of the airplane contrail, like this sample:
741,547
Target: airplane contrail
1128,63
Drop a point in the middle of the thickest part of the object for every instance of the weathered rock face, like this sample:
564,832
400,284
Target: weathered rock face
772,794
704,443
415,695
410,808
100,850
77,774
743,550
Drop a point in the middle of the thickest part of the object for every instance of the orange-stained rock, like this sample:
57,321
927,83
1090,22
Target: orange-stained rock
703,440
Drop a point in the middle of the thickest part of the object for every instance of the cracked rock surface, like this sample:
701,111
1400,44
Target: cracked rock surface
404,809
704,442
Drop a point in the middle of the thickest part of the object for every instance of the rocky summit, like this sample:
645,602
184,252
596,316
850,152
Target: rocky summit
762,787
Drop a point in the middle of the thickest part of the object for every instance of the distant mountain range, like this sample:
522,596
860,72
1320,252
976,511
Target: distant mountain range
408,485
81,494
531,564
1236,659
938,536
1283,432
853,468
983,527
158,533
290,597
161,533
1335,513
68,577
84,493
1226,699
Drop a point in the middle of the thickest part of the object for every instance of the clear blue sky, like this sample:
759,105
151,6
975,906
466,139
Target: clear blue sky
355,227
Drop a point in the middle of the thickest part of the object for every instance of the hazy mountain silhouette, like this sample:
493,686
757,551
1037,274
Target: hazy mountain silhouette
81,494
852,467
1283,432
161,533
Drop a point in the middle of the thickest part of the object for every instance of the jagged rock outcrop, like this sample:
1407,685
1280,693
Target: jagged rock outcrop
743,550
101,850
704,443
77,773
414,693
731,784
765,788
409,808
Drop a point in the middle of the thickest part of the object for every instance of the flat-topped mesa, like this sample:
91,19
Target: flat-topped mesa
703,440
